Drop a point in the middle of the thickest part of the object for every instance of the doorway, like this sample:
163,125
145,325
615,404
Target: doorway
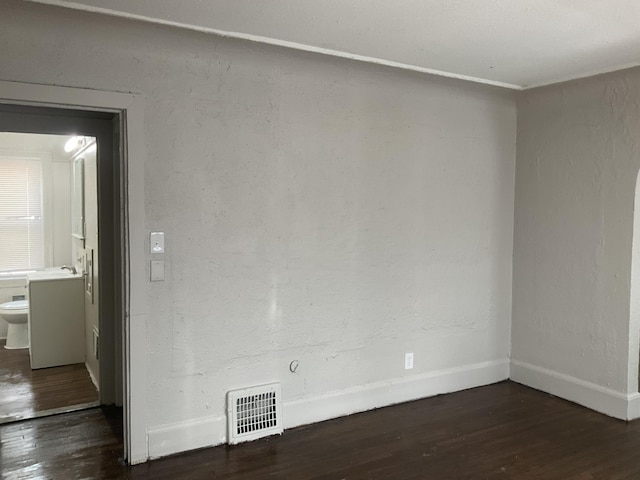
96,249
48,304
134,307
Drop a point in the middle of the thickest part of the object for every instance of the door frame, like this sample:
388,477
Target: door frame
135,310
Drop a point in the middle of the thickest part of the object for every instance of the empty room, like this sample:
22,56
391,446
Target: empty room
323,240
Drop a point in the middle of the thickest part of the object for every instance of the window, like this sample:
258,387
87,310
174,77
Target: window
21,219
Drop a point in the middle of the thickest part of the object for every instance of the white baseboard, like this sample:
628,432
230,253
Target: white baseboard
190,435
633,408
596,397
92,376
210,431
382,394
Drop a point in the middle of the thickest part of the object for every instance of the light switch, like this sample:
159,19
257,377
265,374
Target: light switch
157,242
157,270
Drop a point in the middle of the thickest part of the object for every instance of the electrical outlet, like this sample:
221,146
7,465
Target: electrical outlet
408,360
157,270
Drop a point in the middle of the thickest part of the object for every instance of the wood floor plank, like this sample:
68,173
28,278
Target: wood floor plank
26,393
502,431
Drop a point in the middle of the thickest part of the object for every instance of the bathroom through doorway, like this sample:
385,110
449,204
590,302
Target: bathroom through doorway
80,200
49,298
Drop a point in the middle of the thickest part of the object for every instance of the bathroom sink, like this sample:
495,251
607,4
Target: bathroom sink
50,274
56,319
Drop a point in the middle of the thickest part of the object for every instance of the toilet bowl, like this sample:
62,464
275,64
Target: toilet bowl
16,314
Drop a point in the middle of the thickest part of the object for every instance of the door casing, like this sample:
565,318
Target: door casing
122,197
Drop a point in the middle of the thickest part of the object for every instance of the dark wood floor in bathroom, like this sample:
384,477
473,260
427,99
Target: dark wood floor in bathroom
502,431
26,393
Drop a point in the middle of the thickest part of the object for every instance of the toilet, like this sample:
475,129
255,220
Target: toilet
16,314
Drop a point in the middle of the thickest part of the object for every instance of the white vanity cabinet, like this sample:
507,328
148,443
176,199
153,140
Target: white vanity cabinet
56,319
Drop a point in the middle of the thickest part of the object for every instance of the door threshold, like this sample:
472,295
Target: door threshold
47,413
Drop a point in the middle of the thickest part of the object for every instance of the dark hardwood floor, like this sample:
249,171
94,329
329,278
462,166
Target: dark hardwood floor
26,393
502,431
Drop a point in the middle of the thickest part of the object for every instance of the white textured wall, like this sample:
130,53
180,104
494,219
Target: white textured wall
577,163
319,210
61,184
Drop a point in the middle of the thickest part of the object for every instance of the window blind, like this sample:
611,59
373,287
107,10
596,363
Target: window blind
21,223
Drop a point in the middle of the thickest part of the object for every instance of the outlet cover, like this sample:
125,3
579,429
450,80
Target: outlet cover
157,270
408,361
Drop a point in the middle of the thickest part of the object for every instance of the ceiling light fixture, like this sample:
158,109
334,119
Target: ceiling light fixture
74,143
71,144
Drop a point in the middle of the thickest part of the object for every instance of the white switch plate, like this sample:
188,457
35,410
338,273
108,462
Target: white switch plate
157,270
156,242
408,361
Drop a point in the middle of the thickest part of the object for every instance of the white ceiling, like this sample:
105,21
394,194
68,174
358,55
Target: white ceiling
511,43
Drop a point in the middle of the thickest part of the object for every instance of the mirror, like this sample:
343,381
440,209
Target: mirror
77,198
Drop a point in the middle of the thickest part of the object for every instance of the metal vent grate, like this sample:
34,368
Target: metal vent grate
254,413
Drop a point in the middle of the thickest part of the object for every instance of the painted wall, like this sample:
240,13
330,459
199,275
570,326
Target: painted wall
577,164
320,210
61,184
